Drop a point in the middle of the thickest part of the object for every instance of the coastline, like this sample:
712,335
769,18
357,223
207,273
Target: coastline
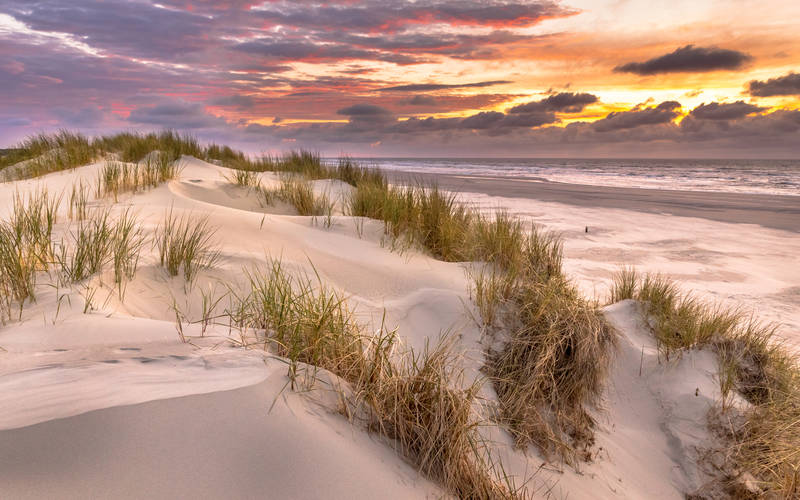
767,210
742,257
130,370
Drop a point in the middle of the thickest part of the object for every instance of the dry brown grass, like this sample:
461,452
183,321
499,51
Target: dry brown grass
552,364
762,439
413,399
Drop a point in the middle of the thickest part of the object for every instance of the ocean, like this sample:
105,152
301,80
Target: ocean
735,176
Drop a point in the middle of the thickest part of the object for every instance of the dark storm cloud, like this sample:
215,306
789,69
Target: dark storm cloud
565,102
688,59
783,85
663,113
425,87
724,111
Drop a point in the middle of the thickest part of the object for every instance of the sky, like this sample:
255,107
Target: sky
444,78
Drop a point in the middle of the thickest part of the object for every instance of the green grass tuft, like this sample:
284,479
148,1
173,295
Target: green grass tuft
185,244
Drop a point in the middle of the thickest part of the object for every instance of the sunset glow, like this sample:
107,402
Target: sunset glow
413,78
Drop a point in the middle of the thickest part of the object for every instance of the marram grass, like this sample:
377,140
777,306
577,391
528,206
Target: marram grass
407,397
762,439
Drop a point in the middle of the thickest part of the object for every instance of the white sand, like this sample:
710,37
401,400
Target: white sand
112,404
740,265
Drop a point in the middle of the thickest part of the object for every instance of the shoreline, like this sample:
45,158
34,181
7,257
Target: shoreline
768,210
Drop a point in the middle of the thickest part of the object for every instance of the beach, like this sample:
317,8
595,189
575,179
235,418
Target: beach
134,396
738,249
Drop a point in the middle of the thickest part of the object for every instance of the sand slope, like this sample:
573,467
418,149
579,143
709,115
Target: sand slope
113,404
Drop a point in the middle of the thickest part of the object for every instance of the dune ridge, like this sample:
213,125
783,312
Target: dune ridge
87,363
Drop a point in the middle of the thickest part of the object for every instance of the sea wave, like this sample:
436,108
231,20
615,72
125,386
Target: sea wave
733,176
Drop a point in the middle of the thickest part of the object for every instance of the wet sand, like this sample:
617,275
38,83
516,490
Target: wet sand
771,211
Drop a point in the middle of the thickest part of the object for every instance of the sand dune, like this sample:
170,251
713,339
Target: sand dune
111,403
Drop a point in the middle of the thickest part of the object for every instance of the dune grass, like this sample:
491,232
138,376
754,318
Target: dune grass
555,347
242,178
421,215
87,249
127,241
46,153
78,201
227,156
117,177
25,247
763,438
133,147
101,240
185,245
553,363
299,193
407,397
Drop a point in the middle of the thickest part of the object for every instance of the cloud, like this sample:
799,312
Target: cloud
393,15
136,29
363,110
88,116
178,114
297,50
688,59
425,87
788,84
565,102
421,100
663,113
367,116
724,111
237,100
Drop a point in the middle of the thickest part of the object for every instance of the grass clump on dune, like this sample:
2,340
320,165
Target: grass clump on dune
227,156
116,177
763,437
408,398
133,147
100,240
552,363
554,346
242,178
678,320
185,244
25,247
78,201
299,193
43,154
422,215
88,249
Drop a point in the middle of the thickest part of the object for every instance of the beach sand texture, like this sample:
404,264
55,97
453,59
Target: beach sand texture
112,404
